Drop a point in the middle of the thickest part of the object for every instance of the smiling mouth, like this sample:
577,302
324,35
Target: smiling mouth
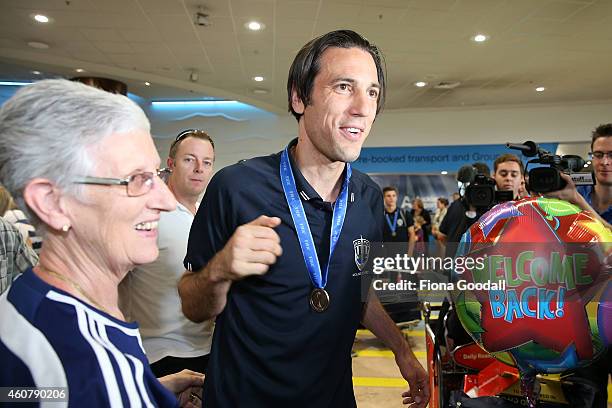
146,226
352,132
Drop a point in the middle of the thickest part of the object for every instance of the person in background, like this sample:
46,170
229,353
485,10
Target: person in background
16,256
441,208
148,294
508,173
419,232
398,226
82,162
596,199
418,209
11,213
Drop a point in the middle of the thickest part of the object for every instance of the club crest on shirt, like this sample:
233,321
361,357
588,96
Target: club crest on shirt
362,252
400,222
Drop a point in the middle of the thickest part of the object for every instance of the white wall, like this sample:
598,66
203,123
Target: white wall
415,127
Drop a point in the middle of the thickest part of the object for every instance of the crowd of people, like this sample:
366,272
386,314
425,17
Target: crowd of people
142,295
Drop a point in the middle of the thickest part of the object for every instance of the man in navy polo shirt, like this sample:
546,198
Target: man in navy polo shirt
277,247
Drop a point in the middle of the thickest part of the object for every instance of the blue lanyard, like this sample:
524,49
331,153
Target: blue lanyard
393,226
301,223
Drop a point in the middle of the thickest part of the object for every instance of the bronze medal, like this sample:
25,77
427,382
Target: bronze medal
319,300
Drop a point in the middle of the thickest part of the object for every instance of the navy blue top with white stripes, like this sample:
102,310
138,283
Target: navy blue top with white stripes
49,338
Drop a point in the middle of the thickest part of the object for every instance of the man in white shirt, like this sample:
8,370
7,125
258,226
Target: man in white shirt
149,293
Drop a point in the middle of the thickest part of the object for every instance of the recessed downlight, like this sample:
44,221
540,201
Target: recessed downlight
480,38
444,172
41,18
420,84
540,89
255,25
258,78
36,72
38,45
147,83
79,70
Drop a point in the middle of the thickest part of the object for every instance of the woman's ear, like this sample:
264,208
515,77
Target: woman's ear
45,200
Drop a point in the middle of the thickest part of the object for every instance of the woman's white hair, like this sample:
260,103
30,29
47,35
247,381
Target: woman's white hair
47,127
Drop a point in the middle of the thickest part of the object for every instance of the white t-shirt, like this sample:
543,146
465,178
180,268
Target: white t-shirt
149,295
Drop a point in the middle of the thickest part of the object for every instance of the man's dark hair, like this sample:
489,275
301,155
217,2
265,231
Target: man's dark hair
305,66
508,157
604,130
482,168
390,188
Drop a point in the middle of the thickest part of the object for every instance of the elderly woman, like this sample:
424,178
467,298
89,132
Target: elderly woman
81,161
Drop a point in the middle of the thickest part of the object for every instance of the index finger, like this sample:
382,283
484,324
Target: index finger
263,232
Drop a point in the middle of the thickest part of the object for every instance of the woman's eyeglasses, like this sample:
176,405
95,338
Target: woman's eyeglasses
136,184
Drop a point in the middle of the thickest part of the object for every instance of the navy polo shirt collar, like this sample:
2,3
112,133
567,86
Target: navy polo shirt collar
305,190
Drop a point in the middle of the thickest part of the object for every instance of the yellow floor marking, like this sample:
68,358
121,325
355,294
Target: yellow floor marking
379,382
411,333
385,353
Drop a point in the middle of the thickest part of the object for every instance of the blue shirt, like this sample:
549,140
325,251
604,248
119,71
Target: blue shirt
50,338
587,192
270,349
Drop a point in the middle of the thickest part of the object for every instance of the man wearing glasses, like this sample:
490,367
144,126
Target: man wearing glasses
597,198
148,294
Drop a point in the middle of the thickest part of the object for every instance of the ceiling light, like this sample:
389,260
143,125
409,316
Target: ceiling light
79,70
39,45
36,72
147,83
540,89
260,91
195,103
480,38
258,78
41,18
420,84
13,83
255,25
444,172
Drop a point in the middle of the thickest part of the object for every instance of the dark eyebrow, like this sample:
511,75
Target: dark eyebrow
352,81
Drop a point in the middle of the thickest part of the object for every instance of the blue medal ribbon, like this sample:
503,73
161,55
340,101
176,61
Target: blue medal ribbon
302,228
393,226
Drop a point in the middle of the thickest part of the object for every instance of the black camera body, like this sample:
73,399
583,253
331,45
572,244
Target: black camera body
547,179
482,195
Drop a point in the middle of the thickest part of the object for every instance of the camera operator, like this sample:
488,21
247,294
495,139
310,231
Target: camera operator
508,173
459,218
597,198
507,176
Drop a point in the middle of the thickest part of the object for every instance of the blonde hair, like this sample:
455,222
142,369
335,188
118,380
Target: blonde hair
6,201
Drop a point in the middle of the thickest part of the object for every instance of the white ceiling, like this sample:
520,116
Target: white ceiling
564,45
